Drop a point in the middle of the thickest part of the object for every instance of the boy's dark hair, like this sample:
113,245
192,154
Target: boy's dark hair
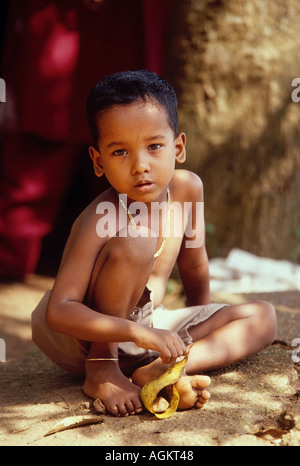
127,87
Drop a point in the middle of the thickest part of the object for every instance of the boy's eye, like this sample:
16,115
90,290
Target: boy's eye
155,146
119,152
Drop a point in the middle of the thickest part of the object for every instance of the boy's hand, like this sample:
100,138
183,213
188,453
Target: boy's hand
168,344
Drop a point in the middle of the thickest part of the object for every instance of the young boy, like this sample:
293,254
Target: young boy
104,317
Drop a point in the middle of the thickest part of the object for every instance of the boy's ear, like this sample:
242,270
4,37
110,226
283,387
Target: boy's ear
180,144
97,161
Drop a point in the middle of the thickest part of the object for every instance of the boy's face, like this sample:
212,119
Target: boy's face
137,149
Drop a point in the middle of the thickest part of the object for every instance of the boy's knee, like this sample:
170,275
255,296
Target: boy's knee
125,262
266,314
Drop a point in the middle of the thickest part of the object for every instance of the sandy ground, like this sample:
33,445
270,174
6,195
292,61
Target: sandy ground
255,402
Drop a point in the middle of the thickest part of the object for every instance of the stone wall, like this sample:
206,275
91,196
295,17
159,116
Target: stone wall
232,63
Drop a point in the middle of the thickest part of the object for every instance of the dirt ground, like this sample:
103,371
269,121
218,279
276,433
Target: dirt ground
255,402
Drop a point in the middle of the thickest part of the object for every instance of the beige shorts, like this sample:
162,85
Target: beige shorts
70,353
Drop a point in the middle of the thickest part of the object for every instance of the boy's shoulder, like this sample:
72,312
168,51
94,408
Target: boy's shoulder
87,219
188,185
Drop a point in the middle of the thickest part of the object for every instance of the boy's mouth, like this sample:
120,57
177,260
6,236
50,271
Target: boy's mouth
144,185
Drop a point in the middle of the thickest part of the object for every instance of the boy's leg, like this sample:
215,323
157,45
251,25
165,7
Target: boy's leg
118,281
231,334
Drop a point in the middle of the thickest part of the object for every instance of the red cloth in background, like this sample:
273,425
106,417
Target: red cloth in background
55,52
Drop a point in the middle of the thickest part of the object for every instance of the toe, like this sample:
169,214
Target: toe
200,381
123,409
130,407
114,410
139,408
203,397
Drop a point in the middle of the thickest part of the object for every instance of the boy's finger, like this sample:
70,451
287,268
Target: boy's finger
180,347
166,357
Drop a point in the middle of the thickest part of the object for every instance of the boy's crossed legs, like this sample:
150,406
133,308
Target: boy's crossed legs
119,279
230,335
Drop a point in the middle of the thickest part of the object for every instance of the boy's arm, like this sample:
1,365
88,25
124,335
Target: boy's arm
192,260
194,274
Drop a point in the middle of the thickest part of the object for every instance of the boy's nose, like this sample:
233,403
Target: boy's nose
140,164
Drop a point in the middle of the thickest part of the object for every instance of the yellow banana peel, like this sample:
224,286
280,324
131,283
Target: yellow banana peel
166,381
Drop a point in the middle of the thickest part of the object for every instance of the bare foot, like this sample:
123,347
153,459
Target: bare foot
191,388
106,382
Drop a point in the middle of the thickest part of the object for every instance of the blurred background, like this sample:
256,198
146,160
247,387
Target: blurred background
231,63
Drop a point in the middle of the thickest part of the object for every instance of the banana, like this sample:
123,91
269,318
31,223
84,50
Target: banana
166,381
